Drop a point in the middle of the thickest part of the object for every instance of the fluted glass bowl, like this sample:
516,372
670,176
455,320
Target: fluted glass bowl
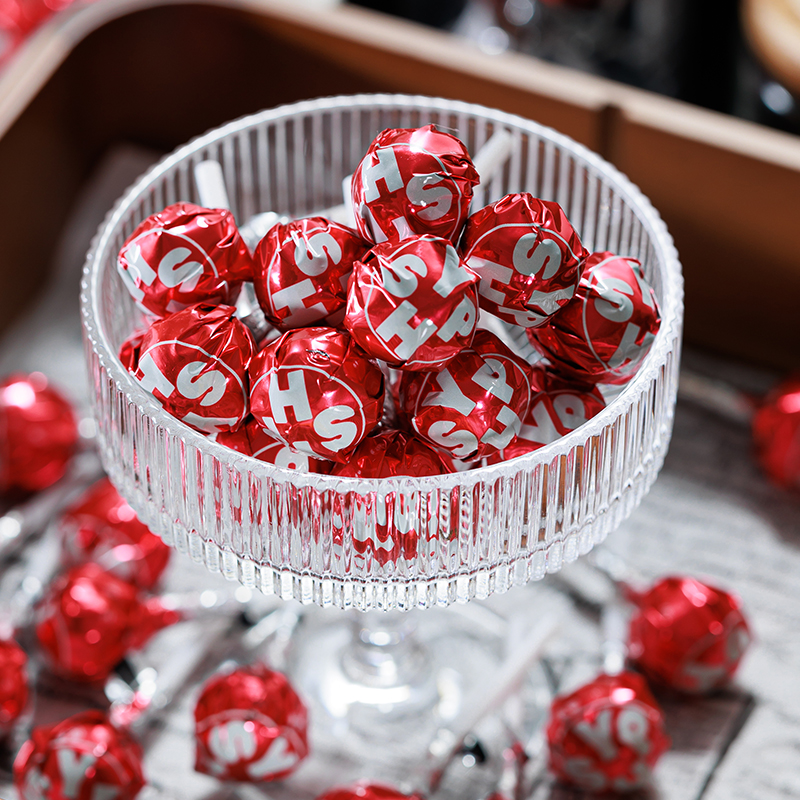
293,534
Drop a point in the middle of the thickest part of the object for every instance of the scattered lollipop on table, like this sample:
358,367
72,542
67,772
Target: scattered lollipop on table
101,527
13,684
38,433
83,757
607,735
776,433
89,619
687,635
250,725
364,790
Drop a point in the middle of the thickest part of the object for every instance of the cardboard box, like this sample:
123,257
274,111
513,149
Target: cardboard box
159,74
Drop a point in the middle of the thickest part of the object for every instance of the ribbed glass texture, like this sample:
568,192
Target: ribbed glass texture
293,534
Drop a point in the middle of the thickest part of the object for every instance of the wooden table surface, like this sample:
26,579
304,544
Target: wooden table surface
710,514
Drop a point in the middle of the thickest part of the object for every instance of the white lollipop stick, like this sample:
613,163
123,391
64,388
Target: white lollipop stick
487,699
211,185
491,157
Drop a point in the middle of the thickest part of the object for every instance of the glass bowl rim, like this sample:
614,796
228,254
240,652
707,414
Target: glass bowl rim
670,305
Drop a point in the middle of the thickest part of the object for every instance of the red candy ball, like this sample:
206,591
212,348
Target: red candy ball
687,635
776,433
13,683
184,255
553,413
90,619
84,757
388,531
413,304
301,271
250,725
38,433
607,735
252,440
528,258
413,181
475,405
195,363
317,391
603,335
103,528
367,791
130,350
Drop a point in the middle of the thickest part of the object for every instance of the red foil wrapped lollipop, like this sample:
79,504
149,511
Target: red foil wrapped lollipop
250,725
317,391
687,635
90,619
38,433
413,304
607,735
301,271
367,791
387,530
475,405
776,433
83,757
13,683
252,440
554,412
103,528
184,255
195,363
603,335
413,181
527,255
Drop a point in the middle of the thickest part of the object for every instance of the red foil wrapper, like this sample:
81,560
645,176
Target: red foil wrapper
475,405
13,683
90,619
130,350
607,735
367,791
776,434
687,635
250,725
386,530
195,364
553,413
603,335
83,757
252,440
317,391
38,433
413,181
101,527
413,304
301,272
184,255
527,255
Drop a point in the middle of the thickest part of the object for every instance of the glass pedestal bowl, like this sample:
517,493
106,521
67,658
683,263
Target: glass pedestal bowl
314,538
